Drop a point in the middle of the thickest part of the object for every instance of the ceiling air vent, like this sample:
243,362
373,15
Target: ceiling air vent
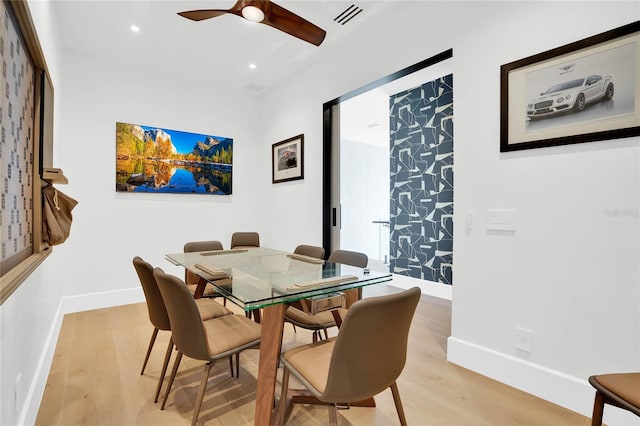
254,87
348,14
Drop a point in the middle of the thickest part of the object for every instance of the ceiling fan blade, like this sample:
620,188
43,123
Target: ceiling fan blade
274,16
284,20
199,15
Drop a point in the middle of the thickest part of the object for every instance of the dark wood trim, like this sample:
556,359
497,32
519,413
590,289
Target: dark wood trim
327,124
442,56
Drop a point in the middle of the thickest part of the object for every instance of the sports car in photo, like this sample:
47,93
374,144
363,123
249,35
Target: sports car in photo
573,95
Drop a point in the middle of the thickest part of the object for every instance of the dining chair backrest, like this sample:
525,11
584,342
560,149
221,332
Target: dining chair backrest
245,239
209,245
311,251
353,258
348,257
187,329
193,246
371,348
155,304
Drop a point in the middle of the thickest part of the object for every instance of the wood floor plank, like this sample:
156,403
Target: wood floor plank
95,380
51,406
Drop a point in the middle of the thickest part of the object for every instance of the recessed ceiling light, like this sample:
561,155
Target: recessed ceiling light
252,66
135,28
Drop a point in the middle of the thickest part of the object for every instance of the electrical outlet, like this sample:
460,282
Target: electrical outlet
524,339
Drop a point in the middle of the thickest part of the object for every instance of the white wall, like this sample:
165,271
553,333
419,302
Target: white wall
570,273
118,226
26,317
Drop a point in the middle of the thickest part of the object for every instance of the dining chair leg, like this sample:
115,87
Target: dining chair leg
598,409
237,364
231,364
333,415
398,402
283,396
165,364
176,364
151,342
326,334
203,386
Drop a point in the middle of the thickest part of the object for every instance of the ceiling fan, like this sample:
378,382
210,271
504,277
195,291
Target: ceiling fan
268,13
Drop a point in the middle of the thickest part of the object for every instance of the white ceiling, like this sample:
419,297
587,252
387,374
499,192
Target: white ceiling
225,46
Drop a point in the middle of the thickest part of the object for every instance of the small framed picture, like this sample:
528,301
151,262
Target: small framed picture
585,91
287,160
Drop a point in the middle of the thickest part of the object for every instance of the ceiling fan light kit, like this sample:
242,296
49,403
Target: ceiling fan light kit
253,14
268,13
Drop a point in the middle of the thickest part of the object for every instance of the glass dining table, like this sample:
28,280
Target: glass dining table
271,279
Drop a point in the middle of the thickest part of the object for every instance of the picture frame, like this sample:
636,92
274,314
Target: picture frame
584,91
287,159
151,159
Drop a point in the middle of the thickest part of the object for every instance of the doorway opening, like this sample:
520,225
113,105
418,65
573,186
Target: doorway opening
356,192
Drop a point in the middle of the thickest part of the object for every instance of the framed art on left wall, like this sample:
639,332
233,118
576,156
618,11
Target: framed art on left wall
159,160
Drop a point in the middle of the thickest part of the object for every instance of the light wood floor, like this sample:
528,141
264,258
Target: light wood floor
95,380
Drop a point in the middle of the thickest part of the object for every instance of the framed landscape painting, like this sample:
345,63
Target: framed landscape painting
585,91
287,160
154,159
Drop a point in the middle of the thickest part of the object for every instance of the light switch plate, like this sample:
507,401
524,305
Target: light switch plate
501,220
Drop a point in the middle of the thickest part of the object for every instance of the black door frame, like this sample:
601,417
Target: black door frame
329,213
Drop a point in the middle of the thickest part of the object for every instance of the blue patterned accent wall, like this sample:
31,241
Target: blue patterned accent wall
421,220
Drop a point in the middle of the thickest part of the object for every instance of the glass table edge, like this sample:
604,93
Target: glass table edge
287,298
292,297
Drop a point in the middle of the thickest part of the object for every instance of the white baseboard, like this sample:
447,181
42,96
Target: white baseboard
439,290
33,398
106,299
559,388
68,305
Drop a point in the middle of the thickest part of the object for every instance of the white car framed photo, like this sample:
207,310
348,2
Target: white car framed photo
581,92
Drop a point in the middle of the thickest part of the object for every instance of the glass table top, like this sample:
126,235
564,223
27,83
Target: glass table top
257,277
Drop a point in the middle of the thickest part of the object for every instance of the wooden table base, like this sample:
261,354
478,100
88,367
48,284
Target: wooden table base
270,344
302,396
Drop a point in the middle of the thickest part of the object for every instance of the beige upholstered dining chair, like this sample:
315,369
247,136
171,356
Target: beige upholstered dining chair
245,240
242,240
365,358
207,341
159,318
353,258
192,279
311,251
621,390
322,321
